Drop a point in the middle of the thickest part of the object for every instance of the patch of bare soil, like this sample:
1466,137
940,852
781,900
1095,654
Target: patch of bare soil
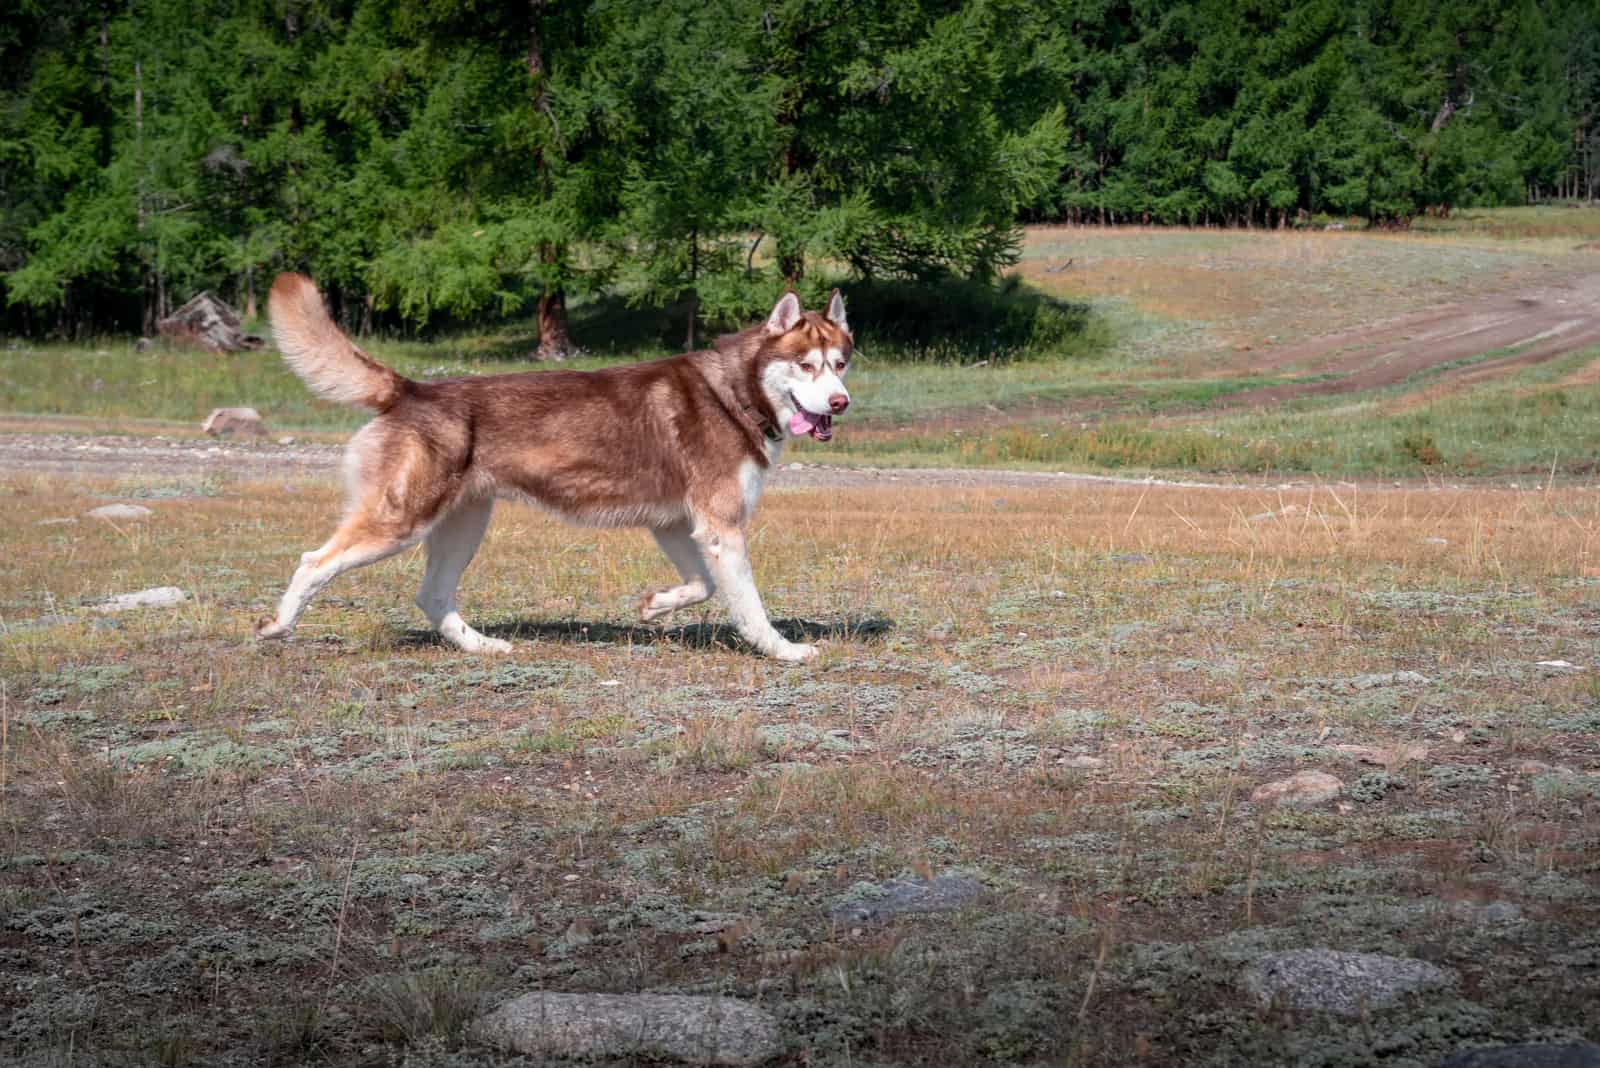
1536,325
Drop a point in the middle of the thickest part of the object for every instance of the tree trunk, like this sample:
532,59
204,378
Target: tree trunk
150,313
554,342
694,297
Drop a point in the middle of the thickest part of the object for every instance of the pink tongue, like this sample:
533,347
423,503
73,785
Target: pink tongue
802,422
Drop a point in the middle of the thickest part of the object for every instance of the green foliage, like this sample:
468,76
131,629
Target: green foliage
433,164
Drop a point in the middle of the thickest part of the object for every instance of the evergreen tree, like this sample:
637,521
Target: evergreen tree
432,161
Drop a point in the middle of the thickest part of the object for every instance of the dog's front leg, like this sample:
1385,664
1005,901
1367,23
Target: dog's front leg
677,541
725,552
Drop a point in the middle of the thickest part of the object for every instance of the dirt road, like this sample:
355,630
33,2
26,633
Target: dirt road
124,456
1535,325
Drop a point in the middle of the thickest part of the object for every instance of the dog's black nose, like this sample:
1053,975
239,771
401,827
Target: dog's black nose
838,403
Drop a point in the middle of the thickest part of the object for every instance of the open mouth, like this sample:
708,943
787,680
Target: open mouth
804,422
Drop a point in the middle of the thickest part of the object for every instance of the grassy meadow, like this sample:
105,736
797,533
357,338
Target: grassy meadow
1159,326
335,849
341,848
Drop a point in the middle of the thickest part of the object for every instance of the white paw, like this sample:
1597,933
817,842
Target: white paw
477,643
470,641
271,629
795,652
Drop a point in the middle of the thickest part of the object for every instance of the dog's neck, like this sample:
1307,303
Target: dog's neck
738,394
765,426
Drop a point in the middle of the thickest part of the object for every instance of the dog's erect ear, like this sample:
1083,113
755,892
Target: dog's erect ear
784,316
836,312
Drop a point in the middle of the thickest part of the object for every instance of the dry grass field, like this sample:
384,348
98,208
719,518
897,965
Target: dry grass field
1061,699
1026,808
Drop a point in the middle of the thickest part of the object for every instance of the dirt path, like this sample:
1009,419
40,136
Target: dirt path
113,456
1537,325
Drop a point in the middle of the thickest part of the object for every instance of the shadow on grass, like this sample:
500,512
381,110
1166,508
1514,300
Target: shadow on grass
692,635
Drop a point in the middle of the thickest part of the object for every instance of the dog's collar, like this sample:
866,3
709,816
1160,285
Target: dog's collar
769,430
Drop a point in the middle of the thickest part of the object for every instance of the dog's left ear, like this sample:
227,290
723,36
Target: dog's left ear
836,312
784,316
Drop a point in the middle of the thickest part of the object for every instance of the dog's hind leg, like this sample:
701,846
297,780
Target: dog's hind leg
359,541
451,545
684,552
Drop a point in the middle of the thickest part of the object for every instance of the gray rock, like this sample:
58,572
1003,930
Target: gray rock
1301,788
1346,984
227,422
1533,1055
155,597
696,1030
877,902
1492,912
120,511
1389,678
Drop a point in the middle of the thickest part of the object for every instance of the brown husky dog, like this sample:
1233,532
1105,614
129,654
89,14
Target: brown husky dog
680,445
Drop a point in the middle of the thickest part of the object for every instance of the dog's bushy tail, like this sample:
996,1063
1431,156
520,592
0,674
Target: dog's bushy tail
319,352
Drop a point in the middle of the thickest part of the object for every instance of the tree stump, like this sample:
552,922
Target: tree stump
209,323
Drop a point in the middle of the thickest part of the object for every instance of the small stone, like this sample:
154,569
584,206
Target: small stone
693,1029
1440,542
1345,984
1389,678
1302,788
229,422
1493,912
902,897
287,439
120,511
1081,760
54,522
155,597
1531,1055
414,879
